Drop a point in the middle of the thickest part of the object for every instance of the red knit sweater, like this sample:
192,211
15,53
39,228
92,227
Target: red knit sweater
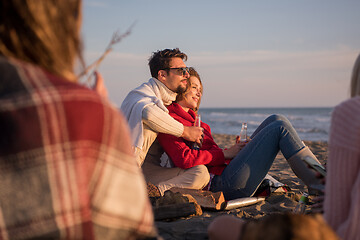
180,150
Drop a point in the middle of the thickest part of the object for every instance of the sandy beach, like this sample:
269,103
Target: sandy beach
196,227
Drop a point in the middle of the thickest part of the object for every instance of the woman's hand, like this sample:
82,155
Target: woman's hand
234,150
318,206
99,86
237,139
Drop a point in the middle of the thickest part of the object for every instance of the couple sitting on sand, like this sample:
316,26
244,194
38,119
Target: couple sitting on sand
161,115
174,90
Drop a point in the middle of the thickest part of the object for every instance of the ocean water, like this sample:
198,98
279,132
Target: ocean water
311,123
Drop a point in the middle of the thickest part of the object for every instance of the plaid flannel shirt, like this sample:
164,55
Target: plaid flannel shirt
66,164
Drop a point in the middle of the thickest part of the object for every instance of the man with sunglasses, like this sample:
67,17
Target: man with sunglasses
147,115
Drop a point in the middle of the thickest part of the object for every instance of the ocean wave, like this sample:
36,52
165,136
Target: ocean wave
295,118
235,114
311,124
258,115
215,114
323,119
253,123
312,130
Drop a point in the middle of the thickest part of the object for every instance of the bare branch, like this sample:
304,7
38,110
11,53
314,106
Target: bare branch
116,38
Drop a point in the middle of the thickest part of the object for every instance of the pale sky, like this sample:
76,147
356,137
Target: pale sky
254,53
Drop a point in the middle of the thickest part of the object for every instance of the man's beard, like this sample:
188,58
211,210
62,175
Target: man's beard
180,89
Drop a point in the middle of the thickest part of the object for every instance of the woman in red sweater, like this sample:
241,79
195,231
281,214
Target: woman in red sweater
239,170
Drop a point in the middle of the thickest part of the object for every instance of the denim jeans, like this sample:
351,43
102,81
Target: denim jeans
246,171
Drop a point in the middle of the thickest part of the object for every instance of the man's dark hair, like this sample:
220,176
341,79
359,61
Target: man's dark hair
161,59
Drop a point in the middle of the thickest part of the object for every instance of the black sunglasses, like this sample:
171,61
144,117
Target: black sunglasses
181,70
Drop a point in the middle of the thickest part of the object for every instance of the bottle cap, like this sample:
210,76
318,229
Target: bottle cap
304,198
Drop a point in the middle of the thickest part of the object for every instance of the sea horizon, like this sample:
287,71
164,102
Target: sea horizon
311,123
264,107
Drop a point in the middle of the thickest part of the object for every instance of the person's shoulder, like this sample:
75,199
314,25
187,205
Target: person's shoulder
345,125
354,101
26,80
145,87
141,94
348,109
5,63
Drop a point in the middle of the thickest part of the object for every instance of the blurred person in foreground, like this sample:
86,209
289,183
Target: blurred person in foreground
147,115
67,170
341,202
342,188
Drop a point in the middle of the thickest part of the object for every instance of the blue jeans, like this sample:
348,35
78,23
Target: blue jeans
246,171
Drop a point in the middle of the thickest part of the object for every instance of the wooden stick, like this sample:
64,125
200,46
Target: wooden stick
116,38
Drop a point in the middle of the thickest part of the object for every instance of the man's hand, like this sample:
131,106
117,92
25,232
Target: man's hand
193,134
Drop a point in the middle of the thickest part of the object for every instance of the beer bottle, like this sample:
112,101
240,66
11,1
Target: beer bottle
301,206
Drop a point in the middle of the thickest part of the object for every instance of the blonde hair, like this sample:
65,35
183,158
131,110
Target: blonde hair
355,79
42,32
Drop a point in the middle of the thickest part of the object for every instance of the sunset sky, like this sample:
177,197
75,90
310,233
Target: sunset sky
258,53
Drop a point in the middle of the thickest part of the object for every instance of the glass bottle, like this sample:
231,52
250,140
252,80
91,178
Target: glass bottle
243,132
197,123
301,206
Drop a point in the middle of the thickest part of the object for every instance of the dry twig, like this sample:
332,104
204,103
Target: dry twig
116,38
